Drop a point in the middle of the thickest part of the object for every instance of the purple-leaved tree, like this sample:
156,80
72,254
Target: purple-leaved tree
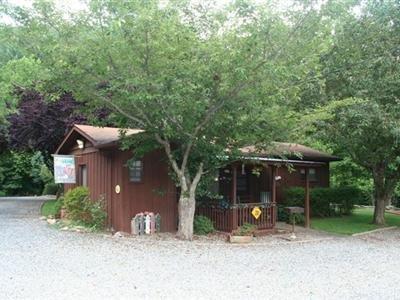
41,125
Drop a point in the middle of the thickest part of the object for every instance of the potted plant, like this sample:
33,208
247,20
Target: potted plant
244,234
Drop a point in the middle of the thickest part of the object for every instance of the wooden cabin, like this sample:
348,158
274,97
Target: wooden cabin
258,179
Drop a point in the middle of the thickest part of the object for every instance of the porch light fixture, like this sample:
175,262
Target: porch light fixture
80,143
278,178
243,171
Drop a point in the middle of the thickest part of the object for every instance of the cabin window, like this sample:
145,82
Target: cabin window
312,174
83,175
136,171
241,183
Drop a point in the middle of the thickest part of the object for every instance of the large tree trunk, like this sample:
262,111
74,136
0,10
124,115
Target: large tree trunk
186,209
379,197
187,201
383,191
187,205
379,212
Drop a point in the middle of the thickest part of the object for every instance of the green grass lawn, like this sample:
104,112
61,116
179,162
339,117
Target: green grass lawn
49,208
359,221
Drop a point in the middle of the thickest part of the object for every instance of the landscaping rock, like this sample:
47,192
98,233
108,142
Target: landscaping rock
121,234
118,235
81,228
237,239
51,221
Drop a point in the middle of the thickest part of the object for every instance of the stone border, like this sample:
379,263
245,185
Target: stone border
375,230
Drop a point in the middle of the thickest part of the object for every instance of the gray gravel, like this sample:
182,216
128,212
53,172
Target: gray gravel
37,261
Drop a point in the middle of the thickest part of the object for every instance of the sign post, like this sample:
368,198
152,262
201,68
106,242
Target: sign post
64,169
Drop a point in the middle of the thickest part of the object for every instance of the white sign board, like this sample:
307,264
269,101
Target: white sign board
64,169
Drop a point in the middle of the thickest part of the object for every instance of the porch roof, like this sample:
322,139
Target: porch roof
287,152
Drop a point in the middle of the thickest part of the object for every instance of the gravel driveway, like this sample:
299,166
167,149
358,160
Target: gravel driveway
38,262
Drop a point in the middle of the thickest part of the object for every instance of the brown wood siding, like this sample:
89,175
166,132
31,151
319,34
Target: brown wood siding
156,192
294,179
98,165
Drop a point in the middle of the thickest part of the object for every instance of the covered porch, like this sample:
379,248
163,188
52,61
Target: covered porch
246,187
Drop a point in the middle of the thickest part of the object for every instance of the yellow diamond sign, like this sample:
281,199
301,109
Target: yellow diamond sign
256,212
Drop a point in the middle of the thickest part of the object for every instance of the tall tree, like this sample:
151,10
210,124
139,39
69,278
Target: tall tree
198,79
39,125
364,63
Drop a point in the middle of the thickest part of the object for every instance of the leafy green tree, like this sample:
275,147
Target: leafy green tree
26,72
347,173
364,63
198,79
20,173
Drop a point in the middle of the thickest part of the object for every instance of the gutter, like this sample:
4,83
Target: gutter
278,160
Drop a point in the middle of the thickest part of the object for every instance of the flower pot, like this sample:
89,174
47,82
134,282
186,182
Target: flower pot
240,239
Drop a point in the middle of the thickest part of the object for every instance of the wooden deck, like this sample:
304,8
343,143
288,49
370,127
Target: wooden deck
229,219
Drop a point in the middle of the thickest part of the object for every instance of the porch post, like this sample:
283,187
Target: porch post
273,184
307,200
234,184
273,194
235,222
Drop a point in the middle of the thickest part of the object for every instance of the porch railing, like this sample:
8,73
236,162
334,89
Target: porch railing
228,219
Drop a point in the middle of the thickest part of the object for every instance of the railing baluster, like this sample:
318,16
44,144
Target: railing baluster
223,219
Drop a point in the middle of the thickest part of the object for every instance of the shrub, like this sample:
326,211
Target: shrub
283,215
366,196
81,209
348,196
245,229
202,225
322,198
50,189
97,214
75,203
46,175
294,196
59,205
396,196
298,219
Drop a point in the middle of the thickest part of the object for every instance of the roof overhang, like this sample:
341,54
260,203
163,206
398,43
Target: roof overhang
70,133
98,141
285,161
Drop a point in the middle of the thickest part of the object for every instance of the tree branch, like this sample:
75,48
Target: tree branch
196,179
121,111
179,172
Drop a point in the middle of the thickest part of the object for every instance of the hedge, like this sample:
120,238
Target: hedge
322,198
